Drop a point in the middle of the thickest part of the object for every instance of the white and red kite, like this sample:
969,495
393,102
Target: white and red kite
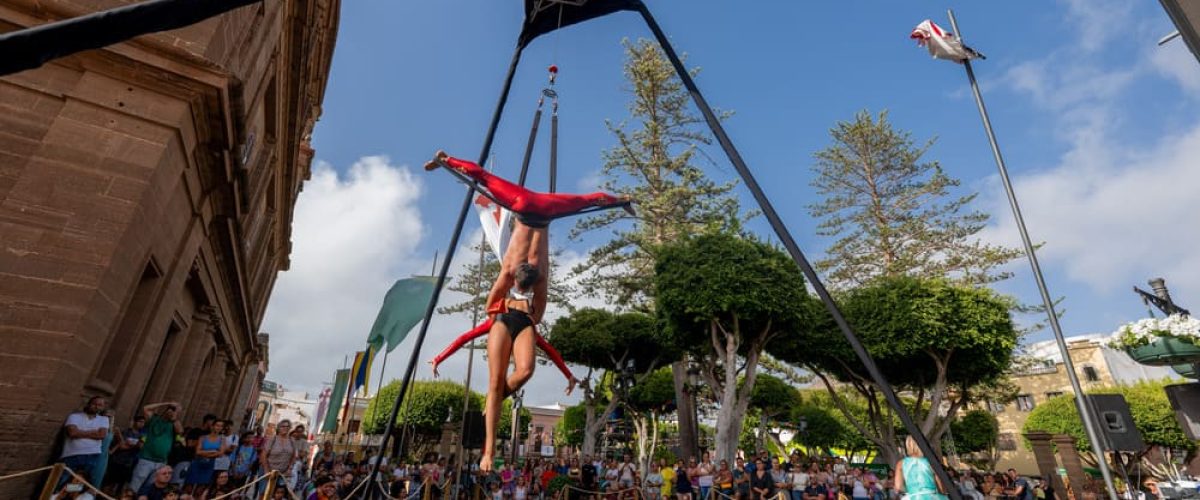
941,43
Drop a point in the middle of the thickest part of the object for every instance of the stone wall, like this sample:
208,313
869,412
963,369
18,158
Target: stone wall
146,195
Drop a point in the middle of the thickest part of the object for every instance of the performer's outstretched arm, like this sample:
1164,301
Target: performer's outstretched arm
556,358
462,340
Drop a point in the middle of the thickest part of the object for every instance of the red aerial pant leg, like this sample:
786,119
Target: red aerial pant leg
526,202
462,340
553,354
507,194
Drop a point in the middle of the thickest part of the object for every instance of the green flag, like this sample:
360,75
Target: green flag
403,307
340,381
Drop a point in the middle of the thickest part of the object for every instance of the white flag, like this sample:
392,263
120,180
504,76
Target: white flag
495,222
941,43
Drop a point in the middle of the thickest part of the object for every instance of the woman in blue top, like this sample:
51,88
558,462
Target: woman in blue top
208,448
915,477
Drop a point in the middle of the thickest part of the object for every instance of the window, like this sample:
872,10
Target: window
995,407
1025,402
1053,394
1089,373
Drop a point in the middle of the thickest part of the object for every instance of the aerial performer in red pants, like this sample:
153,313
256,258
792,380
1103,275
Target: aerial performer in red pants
517,300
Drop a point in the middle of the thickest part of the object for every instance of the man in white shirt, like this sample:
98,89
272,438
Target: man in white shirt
85,430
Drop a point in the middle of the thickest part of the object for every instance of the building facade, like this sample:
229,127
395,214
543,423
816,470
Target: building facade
1098,366
146,196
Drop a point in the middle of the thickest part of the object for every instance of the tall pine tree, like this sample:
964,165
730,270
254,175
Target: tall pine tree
893,213
654,162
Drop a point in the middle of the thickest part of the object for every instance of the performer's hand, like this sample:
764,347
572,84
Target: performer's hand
434,365
571,385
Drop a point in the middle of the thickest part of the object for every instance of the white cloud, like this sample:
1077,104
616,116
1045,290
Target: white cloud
1177,63
1113,209
353,235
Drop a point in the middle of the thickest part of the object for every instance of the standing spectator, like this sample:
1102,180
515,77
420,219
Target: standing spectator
704,475
668,475
223,462
915,477
125,455
626,471
761,485
587,475
85,432
106,447
779,478
208,448
683,483
244,459
654,483
185,453
299,469
278,452
162,427
325,459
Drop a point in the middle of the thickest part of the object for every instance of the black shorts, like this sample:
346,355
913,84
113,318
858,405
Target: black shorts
515,321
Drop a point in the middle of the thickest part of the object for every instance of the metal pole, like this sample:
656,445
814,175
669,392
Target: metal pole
793,249
441,280
1085,412
462,432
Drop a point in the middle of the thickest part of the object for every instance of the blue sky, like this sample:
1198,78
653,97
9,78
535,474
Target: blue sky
1099,127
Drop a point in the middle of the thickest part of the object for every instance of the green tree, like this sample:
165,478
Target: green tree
1152,415
727,298
934,339
818,429
655,163
646,401
774,401
426,407
569,431
892,213
976,432
608,344
845,434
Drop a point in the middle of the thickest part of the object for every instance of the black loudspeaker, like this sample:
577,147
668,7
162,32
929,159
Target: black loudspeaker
1185,400
473,430
1116,423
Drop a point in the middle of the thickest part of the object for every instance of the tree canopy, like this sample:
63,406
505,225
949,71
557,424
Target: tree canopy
927,336
1148,403
432,403
725,298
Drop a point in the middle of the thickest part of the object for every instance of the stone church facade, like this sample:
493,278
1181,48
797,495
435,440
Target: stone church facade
146,199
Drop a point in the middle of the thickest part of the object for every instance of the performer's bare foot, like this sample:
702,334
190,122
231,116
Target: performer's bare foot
434,364
625,202
485,463
438,160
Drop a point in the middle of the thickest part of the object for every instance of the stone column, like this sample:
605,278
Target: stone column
1071,461
196,346
1043,453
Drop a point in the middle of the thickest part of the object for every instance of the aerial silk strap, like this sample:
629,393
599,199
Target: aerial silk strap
533,132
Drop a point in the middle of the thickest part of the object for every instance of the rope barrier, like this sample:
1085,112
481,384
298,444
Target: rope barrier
593,492
26,473
96,491
246,486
